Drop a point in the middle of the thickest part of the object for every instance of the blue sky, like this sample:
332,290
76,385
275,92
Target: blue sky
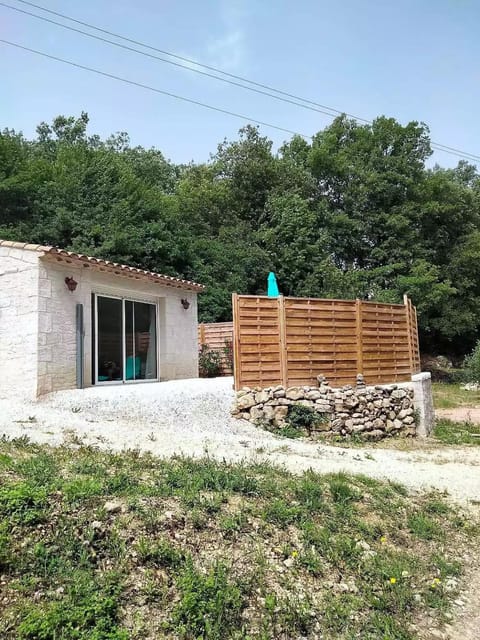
411,59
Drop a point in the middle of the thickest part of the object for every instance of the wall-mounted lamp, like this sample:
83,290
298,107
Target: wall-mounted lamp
71,283
185,303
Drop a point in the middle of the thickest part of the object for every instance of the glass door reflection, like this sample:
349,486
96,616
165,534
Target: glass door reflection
110,339
127,340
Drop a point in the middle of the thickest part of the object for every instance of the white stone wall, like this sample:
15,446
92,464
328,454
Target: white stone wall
19,273
177,327
371,413
56,327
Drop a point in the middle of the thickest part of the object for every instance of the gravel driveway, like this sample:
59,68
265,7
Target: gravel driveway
192,417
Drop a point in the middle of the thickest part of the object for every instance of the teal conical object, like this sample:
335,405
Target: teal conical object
272,289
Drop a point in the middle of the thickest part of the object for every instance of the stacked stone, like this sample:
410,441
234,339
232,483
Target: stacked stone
370,412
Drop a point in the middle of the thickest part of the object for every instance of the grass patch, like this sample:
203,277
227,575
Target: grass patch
210,605
451,396
450,432
200,549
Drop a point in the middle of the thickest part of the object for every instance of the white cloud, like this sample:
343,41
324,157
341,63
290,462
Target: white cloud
228,50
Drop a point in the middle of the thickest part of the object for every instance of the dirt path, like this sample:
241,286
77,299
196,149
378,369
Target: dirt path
461,414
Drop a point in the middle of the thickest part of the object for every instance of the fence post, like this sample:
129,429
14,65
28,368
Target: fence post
414,337
236,344
406,302
358,314
283,341
202,334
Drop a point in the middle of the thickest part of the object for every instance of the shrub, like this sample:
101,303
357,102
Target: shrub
209,362
472,365
228,353
304,418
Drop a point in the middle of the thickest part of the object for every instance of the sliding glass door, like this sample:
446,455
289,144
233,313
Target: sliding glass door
125,340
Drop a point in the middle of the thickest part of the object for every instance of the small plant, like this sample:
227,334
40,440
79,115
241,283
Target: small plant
286,432
159,553
23,503
209,362
281,512
304,418
310,559
232,524
153,589
424,527
342,492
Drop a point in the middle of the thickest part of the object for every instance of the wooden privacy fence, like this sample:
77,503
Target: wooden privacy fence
290,341
216,335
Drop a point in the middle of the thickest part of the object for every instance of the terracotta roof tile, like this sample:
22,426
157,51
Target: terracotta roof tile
115,267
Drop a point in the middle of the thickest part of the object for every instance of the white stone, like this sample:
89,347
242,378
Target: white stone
279,414
268,412
256,413
246,401
295,393
113,506
262,396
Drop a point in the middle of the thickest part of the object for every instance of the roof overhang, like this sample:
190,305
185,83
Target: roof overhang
59,256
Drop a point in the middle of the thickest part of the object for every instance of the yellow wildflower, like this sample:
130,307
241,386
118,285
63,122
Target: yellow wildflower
393,580
383,539
294,554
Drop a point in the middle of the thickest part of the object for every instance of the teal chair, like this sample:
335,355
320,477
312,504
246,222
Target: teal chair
132,368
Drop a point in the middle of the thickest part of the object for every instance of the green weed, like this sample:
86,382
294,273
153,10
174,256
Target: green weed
425,527
87,611
23,503
210,604
450,432
160,553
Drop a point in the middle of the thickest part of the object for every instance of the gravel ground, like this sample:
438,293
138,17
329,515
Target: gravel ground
191,417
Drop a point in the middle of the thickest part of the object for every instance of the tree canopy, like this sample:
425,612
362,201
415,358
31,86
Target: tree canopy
355,212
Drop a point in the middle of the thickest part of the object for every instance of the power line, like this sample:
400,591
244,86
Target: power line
190,61
454,151
155,89
176,64
297,100
160,91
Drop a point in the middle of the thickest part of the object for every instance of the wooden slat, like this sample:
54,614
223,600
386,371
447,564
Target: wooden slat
237,360
292,340
283,341
358,330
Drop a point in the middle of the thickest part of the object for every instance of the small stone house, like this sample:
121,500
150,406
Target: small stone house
69,320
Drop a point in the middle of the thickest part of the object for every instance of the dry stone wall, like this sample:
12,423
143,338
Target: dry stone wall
369,412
